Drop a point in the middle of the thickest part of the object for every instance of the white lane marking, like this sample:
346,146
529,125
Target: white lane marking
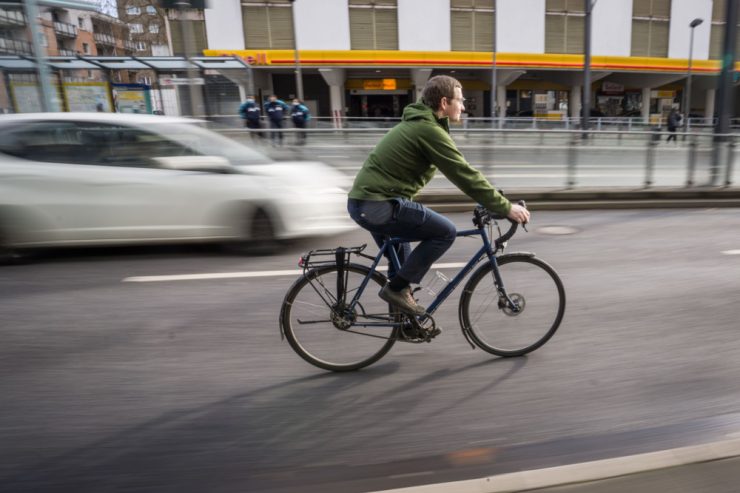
213,275
237,275
731,252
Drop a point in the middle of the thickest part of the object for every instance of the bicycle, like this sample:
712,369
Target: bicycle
334,322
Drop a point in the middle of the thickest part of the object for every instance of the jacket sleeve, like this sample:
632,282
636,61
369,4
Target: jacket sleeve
439,148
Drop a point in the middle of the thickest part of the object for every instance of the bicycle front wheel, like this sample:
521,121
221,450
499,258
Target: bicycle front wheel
493,326
322,329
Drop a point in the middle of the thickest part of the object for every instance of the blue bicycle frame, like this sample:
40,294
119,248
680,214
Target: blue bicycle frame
486,249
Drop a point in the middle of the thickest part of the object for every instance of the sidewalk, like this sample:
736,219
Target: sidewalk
718,476
596,198
710,467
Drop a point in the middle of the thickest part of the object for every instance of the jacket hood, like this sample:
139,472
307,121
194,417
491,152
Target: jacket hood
420,111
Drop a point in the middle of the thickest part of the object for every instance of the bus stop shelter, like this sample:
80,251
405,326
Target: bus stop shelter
169,71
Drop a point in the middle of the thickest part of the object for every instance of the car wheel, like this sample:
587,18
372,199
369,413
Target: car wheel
262,234
8,254
259,236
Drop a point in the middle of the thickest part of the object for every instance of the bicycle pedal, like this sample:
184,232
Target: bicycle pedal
431,334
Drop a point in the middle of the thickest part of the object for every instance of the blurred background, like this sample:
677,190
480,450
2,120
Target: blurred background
152,215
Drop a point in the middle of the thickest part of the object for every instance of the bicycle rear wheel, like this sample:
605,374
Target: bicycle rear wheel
321,329
495,327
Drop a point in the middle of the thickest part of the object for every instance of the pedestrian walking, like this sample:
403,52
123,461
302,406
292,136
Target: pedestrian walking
250,112
300,115
276,110
674,121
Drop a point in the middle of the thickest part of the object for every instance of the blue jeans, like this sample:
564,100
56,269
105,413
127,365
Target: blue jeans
412,222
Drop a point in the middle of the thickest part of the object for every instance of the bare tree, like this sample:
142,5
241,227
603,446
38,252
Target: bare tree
109,7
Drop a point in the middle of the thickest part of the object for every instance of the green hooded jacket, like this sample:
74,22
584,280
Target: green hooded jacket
407,157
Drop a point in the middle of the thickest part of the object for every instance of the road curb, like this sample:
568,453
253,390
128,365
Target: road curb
585,471
595,198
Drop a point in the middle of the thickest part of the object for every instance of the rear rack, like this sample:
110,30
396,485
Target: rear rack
330,256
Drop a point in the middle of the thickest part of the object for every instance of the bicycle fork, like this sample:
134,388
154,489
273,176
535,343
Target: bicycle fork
505,302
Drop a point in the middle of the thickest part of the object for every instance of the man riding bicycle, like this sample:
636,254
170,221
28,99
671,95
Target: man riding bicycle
403,162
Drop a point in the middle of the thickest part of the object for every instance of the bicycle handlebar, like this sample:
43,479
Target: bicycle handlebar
482,217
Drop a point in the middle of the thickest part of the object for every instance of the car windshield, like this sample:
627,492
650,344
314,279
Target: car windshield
113,143
208,143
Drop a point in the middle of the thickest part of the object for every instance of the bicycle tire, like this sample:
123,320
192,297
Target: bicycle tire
316,336
495,328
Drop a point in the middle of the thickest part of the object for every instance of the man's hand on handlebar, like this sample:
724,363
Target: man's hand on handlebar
518,214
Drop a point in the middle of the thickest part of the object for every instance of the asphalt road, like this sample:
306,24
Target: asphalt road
112,385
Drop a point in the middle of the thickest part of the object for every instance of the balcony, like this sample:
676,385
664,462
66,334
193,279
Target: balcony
15,47
63,52
12,18
104,39
65,30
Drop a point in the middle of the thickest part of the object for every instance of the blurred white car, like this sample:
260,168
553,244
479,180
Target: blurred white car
70,179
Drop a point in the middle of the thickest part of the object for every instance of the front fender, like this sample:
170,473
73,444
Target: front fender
482,269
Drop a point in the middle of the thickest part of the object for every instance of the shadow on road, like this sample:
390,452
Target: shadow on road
310,429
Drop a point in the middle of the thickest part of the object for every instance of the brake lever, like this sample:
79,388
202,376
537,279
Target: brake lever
523,204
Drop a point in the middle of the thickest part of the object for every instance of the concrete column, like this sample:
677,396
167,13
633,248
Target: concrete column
574,102
501,101
335,77
419,76
646,104
709,104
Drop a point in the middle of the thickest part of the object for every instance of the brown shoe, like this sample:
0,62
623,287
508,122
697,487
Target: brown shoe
403,299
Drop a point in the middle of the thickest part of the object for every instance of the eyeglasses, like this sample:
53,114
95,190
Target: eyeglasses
460,100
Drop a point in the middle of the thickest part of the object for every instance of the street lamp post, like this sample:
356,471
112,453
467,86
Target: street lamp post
687,96
298,74
188,36
588,6
494,84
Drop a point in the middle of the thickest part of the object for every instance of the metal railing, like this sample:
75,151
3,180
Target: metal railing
513,123
15,47
9,17
552,158
104,39
64,29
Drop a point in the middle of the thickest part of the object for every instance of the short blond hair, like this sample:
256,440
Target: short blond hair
438,87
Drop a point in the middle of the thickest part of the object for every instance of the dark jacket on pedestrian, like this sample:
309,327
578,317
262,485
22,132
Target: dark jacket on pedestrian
674,121
276,110
250,111
300,114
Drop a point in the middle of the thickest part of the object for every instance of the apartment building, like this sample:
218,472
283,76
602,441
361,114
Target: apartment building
371,57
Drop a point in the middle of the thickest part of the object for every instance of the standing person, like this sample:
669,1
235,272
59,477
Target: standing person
403,162
276,110
300,114
674,121
251,113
